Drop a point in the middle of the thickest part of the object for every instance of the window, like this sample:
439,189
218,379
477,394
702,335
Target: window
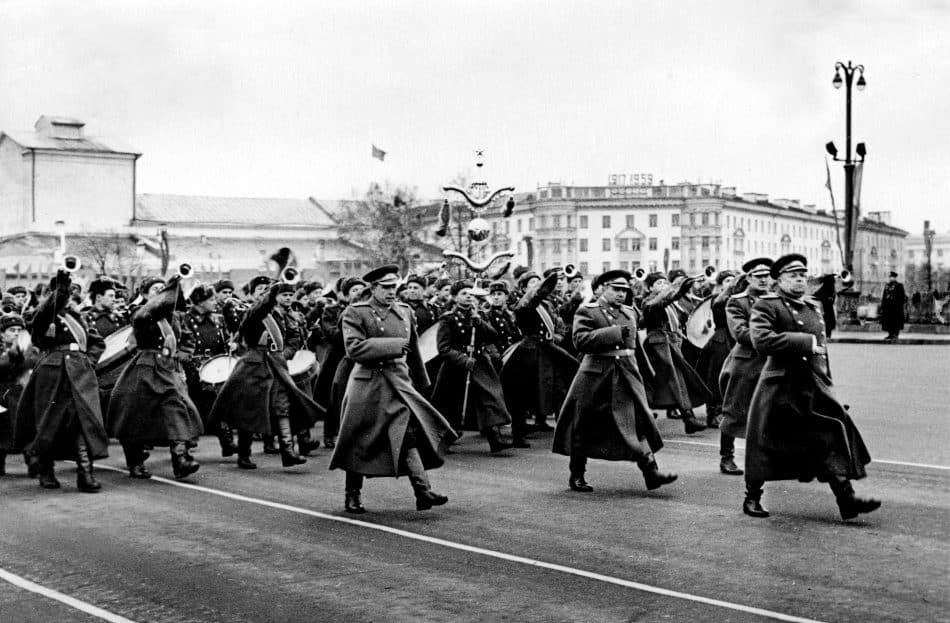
605,221
676,264
705,242
692,264
570,221
653,244
582,245
519,225
584,268
705,218
692,219
582,221
605,266
910,254
606,244
625,266
557,246
531,223
634,244
676,220
629,221
621,244
716,216
939,252
675,243
507,227
556,222
652,267
653,220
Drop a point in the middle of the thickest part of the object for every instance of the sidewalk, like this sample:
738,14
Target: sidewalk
854,337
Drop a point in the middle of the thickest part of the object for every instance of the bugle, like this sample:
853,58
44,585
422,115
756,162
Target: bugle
290,275
71,263
639,273
185,271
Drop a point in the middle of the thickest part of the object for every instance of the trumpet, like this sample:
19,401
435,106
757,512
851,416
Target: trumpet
185,271
711,273
639,273
71,263
846,278
569,271
290,275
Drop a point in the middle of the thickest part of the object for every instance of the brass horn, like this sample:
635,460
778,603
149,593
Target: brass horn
711,273
846,277
570,271
71,263
640,273
185,271
290,275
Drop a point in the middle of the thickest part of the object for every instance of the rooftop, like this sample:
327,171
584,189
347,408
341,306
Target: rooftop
230,211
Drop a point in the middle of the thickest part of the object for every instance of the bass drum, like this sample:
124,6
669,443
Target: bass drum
303,366
429,343
120,348
216,370
699,326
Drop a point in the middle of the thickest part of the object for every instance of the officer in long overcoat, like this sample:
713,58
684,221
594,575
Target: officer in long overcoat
606,414
797,428
467,379
740,372
149,405
893,300
676,384
387,427
59,416
260,396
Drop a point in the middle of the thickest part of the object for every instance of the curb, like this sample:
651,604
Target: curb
899,341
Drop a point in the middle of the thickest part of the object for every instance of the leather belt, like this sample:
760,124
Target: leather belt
622,352
70,347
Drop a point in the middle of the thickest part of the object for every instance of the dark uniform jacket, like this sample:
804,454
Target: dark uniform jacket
63,385
15,368
244,400
425,315
503,322
740,372
797,429
677,385
893,300
150,403
485,408
105,322
606,414
382,395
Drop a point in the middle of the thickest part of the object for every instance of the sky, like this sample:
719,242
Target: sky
285,99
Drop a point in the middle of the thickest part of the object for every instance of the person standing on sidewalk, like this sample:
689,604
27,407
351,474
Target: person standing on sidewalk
893,300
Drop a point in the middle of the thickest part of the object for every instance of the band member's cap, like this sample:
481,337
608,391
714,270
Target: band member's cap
148,282
653,278
224,284
498,286
17,290
99,287
892,274
258,281
758,267
347,284
789,263
200,294
383,276
553,270
612,278
283,287
525,277
11,320
416,279
676,272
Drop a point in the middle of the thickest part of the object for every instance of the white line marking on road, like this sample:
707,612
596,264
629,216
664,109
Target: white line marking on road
778,616
885,462
72,602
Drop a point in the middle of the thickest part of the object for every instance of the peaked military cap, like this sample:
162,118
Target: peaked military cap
387,275
257,281
498,286
461,284
676,272
789,263
758,266
612,278
17,290
553,270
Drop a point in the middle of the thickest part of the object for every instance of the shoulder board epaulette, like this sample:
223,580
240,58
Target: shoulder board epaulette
768,295
592,304
628,307
401,304
360,304
740,295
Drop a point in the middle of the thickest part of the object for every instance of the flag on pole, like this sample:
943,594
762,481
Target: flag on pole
378,153
834,210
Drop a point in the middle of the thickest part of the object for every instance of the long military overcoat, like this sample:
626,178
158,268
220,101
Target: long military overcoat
382,395
676,384
713,355
149,403
893,300
606,412
244,400
797,429
62,385
740,372
485,407
15,369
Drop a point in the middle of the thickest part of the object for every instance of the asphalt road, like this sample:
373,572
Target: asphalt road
156,551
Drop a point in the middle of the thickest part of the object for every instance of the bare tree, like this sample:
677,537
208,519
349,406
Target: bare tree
382,223
110,254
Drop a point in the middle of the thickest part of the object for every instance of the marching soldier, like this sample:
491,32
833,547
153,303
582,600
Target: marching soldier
714,353
102,314
740,371
18,357
501,319
606,414
59,416
467,390
415,298
797,429
204,336
149,405
387,428
538,372
260,396
676,386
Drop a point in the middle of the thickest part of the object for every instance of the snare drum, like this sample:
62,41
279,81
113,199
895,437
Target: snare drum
303,366
217,369
120,348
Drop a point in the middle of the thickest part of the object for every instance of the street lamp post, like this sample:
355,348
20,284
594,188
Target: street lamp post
850,225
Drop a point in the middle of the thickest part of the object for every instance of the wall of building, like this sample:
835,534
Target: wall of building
86,192
14,187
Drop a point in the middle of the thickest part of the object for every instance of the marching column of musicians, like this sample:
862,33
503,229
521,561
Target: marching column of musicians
399,368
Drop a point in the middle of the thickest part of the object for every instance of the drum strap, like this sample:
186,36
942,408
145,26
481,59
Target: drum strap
171,342
272,334
78,333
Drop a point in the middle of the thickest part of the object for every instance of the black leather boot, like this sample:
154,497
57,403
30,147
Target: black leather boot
245,439
183,464
354,484
425,497
713,416
576,481
226,439
849,505
270,444
85,480
329,441
288,455
32,464
306,443
727,465
752,506
47,475
654,478
495,441
691,423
